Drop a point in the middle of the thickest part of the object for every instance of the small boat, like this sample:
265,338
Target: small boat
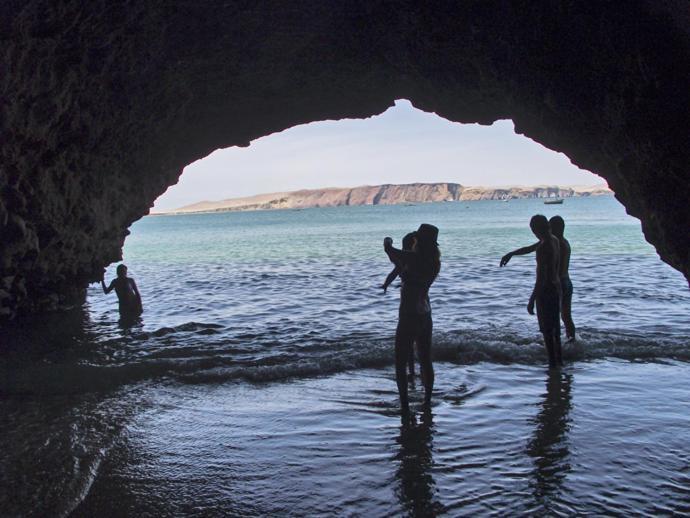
557,201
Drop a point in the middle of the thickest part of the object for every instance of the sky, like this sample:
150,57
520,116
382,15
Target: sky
402,145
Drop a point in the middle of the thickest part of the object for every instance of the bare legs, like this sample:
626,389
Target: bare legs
426,369
567,317
410,328
410,364
404,337
548,312
566,305
552,341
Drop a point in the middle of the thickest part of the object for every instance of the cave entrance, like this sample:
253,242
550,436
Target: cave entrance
232,266
403,145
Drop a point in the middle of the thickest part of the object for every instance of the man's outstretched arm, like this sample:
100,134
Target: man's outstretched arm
520,251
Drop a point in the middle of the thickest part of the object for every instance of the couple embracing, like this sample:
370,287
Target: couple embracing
418,265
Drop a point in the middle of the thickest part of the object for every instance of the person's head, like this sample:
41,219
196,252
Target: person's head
557,226
409,241
427,246
427,235
539,225
121,270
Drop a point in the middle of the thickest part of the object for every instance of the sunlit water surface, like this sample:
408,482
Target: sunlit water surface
260,381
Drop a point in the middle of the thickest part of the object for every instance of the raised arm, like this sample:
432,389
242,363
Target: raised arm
400,258
520,251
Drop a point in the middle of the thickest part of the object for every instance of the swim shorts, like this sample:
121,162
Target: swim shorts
549,310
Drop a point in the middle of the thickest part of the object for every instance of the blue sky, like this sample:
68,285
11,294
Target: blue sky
403,145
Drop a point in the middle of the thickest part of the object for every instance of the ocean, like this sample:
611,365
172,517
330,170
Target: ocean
260,379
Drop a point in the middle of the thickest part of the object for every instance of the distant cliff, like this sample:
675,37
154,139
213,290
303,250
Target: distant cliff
387,194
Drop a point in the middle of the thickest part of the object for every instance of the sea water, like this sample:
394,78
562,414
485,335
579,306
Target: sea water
259,380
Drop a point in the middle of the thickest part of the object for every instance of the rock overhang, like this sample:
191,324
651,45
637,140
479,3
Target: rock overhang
105,103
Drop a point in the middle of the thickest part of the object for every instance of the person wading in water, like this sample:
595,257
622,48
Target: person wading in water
127,292
547,289
420,267
407,245
557,226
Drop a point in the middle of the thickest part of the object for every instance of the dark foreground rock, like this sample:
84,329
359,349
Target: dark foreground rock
103,103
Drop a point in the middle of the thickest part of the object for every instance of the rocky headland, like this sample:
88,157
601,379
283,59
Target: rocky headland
387,194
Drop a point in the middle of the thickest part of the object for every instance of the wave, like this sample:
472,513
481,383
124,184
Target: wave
256,358
482,346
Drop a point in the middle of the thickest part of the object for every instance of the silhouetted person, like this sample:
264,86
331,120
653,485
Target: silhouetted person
421,266
547,289
127,292
407,245
557,226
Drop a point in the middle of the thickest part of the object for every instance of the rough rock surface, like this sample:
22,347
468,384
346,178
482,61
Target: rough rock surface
387,194
102,103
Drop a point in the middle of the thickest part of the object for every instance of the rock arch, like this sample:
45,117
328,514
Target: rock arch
103,103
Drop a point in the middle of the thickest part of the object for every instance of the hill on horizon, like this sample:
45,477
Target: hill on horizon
386,194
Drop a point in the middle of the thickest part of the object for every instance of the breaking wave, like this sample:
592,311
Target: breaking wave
204,353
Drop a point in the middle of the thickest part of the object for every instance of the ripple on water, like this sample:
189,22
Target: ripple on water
498,440
164,409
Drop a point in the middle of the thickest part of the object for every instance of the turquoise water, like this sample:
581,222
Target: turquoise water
260,380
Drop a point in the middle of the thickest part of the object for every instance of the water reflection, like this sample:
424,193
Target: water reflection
549,444
417,487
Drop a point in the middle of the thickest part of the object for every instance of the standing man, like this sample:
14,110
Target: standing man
547,287
557,226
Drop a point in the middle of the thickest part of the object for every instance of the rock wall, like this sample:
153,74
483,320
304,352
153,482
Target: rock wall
103,103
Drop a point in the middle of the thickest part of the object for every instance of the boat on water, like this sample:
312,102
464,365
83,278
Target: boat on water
556,201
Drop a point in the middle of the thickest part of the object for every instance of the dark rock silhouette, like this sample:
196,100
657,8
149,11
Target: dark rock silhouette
103,104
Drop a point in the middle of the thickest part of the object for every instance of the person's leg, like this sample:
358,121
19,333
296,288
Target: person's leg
566,310
548,343
544,327
548,313
410,363
556,330
426,368
404,336
557,350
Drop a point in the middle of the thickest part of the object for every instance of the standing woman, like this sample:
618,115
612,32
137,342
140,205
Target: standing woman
421,266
